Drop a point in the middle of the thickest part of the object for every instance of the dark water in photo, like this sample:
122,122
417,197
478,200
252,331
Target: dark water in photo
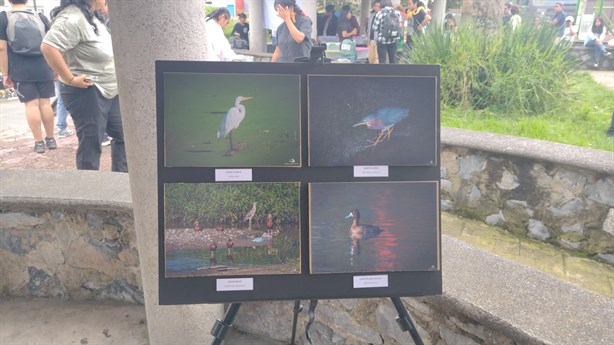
405,212
246,256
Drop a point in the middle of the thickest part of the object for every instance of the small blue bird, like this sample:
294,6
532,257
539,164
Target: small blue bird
383,120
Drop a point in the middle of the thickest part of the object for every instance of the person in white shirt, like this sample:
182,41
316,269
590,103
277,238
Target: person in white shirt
218,47
594,40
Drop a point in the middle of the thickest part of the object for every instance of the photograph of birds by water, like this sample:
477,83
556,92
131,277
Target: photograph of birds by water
374,227
372,120
231,120
226,229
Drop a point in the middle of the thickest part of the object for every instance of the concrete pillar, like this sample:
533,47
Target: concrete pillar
310,9
145,31
438,12
257,36
365,8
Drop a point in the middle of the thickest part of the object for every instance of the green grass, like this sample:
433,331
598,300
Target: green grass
582,122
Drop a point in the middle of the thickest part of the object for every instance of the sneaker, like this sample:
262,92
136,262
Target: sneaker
63,133
39,146
596,65
608,53
51,144
106,141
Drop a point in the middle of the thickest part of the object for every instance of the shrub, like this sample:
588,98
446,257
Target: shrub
519,72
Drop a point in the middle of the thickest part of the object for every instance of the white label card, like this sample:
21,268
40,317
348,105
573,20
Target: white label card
225,175
363,282
234,284
370,171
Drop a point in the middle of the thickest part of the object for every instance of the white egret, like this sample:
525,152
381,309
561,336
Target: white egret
232,120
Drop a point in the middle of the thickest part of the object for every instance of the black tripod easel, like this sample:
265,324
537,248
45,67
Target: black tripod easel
221,327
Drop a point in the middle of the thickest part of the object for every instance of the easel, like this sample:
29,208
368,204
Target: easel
221,327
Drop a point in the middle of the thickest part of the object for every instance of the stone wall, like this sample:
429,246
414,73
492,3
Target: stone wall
69,253
552,192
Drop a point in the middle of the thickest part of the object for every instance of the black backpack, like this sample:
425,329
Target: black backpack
391,28
25,31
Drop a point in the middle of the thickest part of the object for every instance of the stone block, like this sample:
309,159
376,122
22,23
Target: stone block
608,223
509,181
470,165
538,230
602,191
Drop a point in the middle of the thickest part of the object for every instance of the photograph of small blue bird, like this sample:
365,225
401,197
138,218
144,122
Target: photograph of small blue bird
383,120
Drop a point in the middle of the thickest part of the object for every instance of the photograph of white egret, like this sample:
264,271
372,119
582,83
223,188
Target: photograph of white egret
372,120
374,227
227,229
231,120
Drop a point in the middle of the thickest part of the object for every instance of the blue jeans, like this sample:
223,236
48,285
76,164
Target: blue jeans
60,109
598,50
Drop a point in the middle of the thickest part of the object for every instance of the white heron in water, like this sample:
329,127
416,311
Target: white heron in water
232,120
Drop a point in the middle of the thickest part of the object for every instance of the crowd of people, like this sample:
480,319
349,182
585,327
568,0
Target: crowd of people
71,57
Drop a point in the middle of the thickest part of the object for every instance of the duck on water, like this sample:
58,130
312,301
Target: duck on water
359,232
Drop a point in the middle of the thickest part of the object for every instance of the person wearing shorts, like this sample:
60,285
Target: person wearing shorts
32,79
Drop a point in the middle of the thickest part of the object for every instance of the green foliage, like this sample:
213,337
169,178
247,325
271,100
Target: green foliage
214,203
515,73
583,121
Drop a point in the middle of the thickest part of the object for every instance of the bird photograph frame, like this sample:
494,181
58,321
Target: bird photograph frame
230,229
232,120
374,227
372,120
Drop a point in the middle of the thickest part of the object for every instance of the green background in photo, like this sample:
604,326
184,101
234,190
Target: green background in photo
195,104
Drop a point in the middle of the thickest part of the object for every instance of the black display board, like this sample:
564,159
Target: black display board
297,181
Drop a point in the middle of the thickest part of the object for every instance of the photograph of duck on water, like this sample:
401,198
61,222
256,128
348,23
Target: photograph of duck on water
372,120
231,120
225,229
374,227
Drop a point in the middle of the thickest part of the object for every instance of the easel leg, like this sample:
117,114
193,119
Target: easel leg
312,315
405,322
220,328
297,309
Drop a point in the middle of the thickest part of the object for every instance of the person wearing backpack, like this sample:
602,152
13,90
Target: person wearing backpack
78,47
24,67
387,25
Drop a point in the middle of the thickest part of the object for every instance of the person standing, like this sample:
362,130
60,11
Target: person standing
387,33
348,26
558,21
78,48
516,19
293,35
327,23
507,13
419,20
24,67
373,58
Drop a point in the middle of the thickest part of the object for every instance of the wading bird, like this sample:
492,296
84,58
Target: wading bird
250,215
383,120
231,121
